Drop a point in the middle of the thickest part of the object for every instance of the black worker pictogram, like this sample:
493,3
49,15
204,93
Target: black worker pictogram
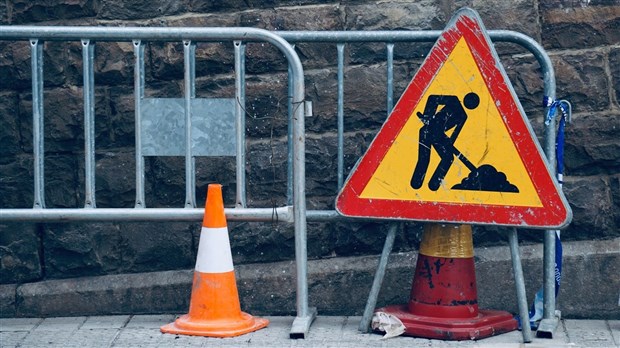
443,113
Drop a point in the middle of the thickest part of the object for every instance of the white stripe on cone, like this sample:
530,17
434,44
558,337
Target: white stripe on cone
214,255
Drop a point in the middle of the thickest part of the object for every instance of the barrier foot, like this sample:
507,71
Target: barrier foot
301,325
547,327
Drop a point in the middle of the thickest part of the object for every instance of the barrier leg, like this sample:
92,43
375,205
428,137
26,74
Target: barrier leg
550,321
379,274
517,270
301,324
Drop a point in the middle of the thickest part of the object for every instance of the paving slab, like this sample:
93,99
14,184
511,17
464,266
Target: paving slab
61,324
93,338
589,333
12,338
150,321
138,337
106,322
614,327
19,324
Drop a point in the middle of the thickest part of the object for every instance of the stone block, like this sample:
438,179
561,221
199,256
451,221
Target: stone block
20,260
165,180
23,11
578,25
135,9
17,183
591,145
583,80
367,109
200,18
220,170
10,137
591,202
324,17
64,181
15,66
614,66
526,78
62,65
63,125
78,250
393,15
114,63
147,247
615,197
425,15
7,300
321,178
267,171
266,106
264,57
364,238
253,242
589,285
364,96
118,124
4,16
218,6
521,16
115,180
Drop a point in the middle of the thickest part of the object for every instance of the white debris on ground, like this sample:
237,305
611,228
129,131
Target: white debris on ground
384,322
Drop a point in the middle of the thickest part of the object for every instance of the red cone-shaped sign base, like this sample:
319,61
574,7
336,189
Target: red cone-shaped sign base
487,323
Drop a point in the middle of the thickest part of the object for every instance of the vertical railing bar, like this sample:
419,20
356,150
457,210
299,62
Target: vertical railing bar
289,137
88,53
138,78
549,137
36,48
340,115
189,83
390,77
240,122
299,188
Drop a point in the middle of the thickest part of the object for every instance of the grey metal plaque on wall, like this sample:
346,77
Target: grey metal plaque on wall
162,123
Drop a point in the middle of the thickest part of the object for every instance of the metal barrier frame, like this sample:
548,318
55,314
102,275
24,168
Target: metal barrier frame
295,213
550,320
296,210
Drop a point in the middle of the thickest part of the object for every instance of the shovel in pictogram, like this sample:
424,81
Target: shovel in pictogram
483,178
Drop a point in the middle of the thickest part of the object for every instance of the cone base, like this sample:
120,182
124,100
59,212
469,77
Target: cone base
185,325
487,323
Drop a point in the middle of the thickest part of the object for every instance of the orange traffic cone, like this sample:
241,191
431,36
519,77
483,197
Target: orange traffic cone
444,302
214,308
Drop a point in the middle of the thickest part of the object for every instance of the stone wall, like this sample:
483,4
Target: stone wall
581,37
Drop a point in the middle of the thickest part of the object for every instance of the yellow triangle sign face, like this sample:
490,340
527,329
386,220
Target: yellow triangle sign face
483,139
457,147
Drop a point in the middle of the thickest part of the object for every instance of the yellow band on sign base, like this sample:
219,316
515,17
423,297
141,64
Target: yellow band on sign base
449,241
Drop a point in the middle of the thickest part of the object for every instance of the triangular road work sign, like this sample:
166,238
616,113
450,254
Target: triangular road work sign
457,146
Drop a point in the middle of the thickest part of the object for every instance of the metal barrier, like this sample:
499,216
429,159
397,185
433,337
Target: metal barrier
189,36
340,39
296,210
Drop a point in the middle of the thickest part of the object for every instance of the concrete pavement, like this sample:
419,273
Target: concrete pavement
326,331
